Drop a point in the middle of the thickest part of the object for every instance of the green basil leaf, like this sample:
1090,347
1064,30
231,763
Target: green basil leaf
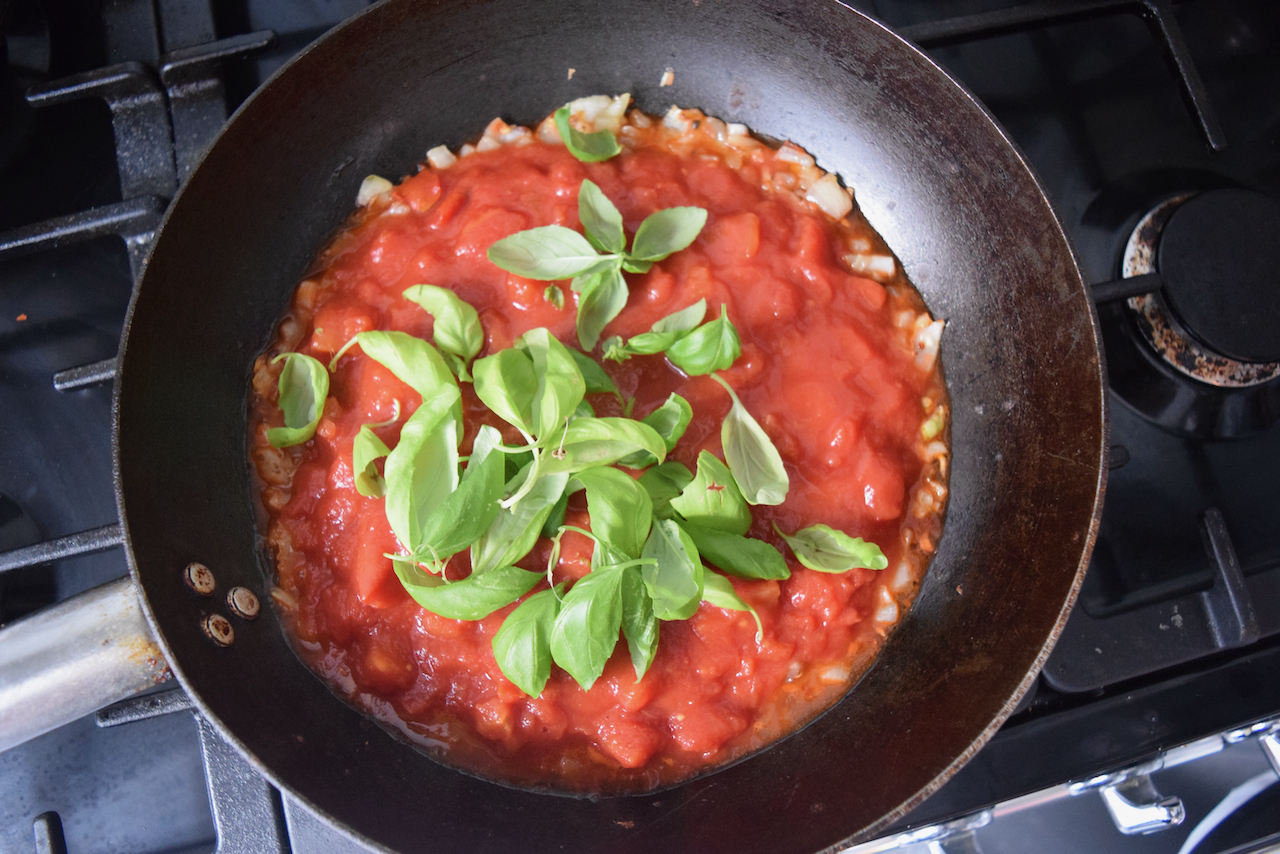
586,629
515,529
474,597
646,344
466,513
675,581
422,469
555,518
713,346
506,383
744,557
718,591
639,624
684,320
546,253
713,499
303,386
457,325
753,459
666,231
589,442
598,382
825,549
631,265
620,509
615,349
559,384
554,295
664,482
414,362
366,450
603,296
587,147
522,646
670,420
600,219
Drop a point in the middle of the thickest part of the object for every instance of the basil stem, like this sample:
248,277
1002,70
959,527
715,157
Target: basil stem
303,387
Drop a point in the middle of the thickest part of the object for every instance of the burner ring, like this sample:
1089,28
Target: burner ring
1160,326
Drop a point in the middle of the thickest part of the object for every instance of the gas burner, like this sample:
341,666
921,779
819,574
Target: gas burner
1201,355
1217,318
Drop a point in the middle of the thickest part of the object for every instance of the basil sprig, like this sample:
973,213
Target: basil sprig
656,535
303,387
553,252
587,147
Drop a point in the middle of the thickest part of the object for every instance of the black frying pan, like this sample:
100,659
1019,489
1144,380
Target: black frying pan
933,174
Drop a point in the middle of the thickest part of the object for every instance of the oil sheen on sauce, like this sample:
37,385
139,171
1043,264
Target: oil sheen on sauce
830,368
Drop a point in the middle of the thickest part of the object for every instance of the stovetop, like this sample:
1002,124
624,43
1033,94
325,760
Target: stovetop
1175,639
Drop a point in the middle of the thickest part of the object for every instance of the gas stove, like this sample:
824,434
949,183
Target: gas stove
1153,128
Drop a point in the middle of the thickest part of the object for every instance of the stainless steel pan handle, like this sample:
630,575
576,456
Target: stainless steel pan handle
73,658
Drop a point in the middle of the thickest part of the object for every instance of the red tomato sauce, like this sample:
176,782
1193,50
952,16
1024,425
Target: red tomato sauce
827,368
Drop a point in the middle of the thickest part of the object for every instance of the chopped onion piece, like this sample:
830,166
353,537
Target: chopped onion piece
397,208
878,267
466,149
736,129
547,132
860,244
835,674
441,157
370,188
487,143
514,134
926,342
676,119
887,614
829,196
792,153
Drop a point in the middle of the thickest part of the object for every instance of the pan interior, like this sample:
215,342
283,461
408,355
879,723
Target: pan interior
934,176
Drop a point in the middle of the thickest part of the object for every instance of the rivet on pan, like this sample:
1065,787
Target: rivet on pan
218,629
242,603
199,578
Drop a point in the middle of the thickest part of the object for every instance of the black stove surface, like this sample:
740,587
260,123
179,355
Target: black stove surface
1176,635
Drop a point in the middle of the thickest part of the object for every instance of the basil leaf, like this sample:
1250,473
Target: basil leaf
555,296
506,383
827,550
664,482
713,346
670,420
752,457
712,499
556,517
559,385
718,591
684,320
587,147
457,325
603,296
615,349
589,442
639,624
303,386
366,450
522,646
675,581
515,529
586,629
598,382
546,253
631,265
620,509
422,469
474,597
744,557
666,231
466,513
600,219
414,362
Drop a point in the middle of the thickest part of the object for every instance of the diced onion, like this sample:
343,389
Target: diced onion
466,149
370,188
878,267
736,129
830,197
441,157
792,153
926,342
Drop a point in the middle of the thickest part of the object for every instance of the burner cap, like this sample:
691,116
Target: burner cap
1220,262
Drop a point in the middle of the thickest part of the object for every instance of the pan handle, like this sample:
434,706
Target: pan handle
73,658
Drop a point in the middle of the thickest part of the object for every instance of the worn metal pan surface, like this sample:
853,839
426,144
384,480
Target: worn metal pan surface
934,175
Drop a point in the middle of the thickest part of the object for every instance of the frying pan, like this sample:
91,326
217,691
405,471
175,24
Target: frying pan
933,174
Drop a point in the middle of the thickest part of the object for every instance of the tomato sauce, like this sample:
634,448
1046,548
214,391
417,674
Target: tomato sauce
828,368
